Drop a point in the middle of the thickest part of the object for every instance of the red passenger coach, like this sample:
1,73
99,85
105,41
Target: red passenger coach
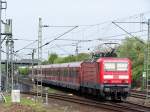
64,75
107,77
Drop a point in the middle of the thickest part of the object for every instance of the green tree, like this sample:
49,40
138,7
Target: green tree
82,56
133,49
52,57
24,71
58,60
45,62
72,58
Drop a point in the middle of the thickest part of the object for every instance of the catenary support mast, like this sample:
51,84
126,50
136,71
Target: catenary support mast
39,77
148,63
9,56
1,7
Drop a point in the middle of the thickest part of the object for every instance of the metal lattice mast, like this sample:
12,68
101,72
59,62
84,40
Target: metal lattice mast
39,77
148,62
9,55
1,7
33,65
144,81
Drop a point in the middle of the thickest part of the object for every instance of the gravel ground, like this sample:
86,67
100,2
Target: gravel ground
53,106
139,101
63,106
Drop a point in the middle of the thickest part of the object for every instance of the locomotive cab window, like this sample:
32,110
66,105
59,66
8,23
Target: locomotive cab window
115,66
122,66
109,66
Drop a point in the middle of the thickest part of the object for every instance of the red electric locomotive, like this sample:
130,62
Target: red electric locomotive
108,77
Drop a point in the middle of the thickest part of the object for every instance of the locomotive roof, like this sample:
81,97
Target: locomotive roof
72,64
112,59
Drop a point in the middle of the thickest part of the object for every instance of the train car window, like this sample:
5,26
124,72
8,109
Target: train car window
74,72
77,72
66,71
53,72
71,72
49,72
58,72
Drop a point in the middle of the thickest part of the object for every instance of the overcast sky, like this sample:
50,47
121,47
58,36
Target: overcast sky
25,14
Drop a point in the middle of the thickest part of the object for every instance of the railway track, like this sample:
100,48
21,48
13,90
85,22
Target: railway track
119,107
134,93
138,94
113,106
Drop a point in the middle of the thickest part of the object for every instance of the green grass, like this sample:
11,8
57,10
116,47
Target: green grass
50,90
23,101
38,107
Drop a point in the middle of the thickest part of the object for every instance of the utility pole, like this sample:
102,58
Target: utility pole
1,7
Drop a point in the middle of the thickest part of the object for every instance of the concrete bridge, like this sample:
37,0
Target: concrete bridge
23,62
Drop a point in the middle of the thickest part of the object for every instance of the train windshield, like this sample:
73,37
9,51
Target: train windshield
116,66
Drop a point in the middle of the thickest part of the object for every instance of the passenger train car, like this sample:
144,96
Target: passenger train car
107,77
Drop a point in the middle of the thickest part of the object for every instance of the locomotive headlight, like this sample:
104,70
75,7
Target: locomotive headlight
106,89
106,81
126,89
125,81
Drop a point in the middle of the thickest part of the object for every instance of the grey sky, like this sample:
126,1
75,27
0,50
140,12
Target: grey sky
25,14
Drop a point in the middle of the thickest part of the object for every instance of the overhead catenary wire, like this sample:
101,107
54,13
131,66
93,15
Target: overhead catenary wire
128,32
119,35
89,26
59,36
76,40
65,51
26,46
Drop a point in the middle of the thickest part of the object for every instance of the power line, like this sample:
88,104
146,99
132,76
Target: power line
75,40
121,34
63,49
128,32
132,16
57,26
59,36
26,46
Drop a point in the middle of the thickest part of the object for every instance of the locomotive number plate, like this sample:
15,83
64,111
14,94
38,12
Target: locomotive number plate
115,76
